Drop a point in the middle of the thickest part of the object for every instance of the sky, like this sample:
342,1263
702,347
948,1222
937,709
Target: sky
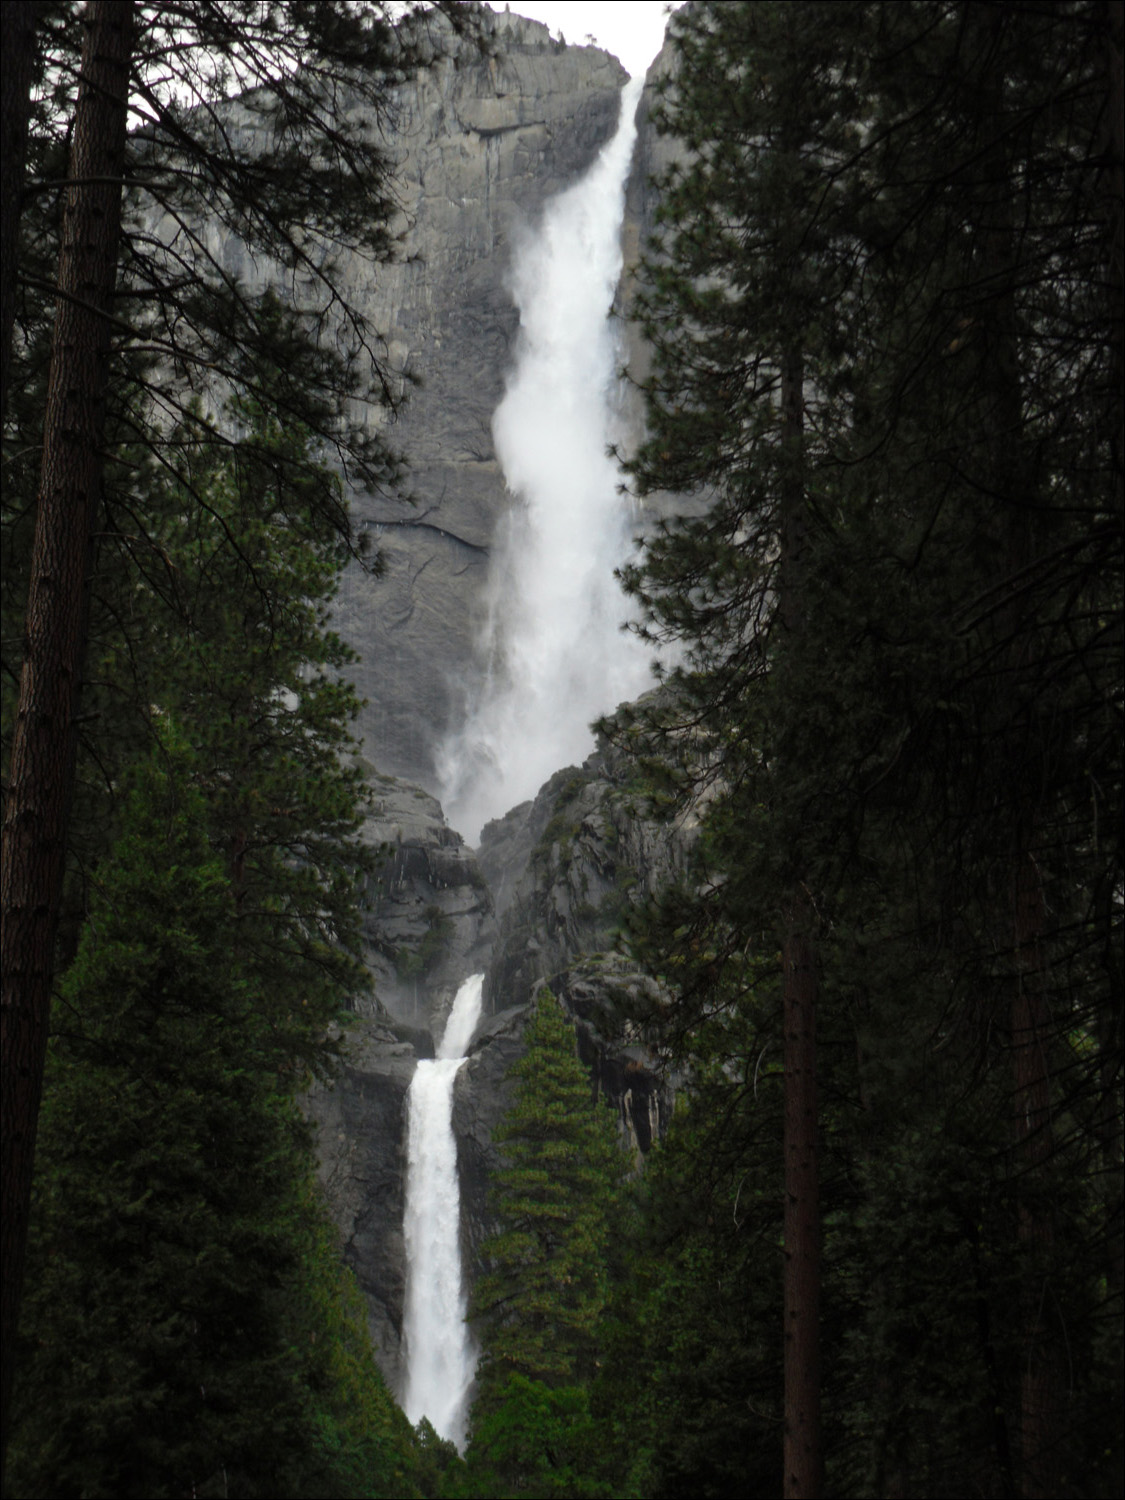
632,30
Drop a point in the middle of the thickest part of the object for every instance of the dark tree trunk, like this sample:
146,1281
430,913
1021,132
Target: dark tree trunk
1023,768
803,1460
42,771
17,65
1030,1043
1113,191
802,1457
1109,1021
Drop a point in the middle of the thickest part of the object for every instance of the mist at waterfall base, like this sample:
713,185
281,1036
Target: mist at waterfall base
556,654
440,1354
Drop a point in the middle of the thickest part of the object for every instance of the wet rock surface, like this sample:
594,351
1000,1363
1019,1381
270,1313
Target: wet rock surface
481,1098
361,1167
428,920
571,860
597,853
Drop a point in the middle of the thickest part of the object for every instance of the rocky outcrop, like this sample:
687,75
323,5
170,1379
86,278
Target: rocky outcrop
359,1128
427,924
653,155
481,1098
596,851
572,861
428,918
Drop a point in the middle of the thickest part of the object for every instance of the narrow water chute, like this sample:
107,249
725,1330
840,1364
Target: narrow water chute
440,1356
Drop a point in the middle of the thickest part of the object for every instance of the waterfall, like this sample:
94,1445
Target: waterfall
556,654
440,1358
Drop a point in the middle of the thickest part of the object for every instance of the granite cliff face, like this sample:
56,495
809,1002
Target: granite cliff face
594,854
481,139
481,142
429,914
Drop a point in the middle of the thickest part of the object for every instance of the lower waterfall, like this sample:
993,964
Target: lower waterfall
440,1357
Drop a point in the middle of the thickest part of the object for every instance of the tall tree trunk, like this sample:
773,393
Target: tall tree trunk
42,772
802,1455
1113,193
1109,1021
802,1458
17,65
1031,1079
1010,479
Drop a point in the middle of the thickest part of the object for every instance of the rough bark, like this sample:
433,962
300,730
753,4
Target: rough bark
802,1452
1031,1078
803,1458
1010,475
42,770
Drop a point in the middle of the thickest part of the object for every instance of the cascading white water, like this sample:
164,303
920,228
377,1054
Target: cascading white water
557,655
440,1358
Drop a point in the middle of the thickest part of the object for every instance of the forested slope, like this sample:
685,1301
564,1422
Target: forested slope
885,307
182,866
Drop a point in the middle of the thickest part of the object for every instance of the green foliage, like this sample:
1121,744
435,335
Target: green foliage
539,1303
227,633
538,1307
186,1320
687,1397
275,174
438,1464
903,204
362,1443
190,1329
190,1324
534,1439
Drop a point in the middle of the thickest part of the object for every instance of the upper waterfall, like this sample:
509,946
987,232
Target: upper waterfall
556,654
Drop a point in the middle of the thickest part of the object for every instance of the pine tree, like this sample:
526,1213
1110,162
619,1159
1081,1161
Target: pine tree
188,1328
233,641
537,1309
169,1170
143,325
540,1301
689,1395
749,314
937,248
40,784
189,1317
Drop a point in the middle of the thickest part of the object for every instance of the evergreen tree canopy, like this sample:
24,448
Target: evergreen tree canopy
187,1311
231,638
187,1323
156,207
255,153
539,1304
538,1307
885,308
